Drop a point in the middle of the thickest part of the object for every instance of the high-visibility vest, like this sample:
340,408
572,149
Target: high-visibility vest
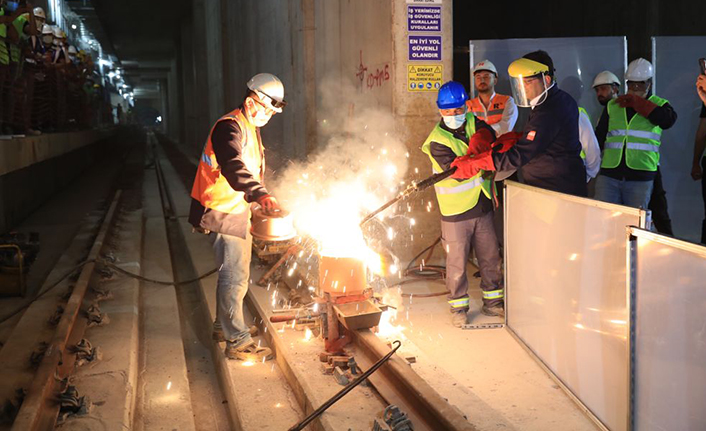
4,53
495,110
19,24
456,197
581,110
210,187
640,138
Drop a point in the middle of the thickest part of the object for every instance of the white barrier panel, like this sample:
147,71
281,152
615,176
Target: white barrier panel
566,299
577,61
676,69
669,333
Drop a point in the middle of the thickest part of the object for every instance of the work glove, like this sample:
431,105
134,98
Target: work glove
468,166
641,105
480,142
269,204
506,141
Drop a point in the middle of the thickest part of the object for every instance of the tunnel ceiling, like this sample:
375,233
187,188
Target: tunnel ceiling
142,34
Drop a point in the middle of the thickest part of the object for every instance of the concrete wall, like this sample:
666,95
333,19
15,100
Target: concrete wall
35,168
312,45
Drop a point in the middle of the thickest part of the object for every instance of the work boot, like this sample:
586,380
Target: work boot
459,318
497,310
219,337
249,351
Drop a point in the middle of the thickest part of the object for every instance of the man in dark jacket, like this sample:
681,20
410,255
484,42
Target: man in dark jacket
548,149
229,178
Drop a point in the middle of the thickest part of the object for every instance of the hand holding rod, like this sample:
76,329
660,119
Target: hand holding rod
414,187
316,413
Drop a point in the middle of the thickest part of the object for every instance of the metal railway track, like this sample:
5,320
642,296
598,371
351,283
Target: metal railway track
40,408
395,381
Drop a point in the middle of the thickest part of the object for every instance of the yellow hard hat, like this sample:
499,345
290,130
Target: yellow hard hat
525,67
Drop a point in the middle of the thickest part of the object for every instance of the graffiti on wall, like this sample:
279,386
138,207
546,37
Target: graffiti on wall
372,78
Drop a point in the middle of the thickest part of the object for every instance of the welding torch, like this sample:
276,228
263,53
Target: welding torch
412,188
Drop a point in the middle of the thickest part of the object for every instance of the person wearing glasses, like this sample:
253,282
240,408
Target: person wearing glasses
630,135
229,178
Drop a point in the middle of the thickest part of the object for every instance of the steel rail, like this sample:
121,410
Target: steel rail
40,408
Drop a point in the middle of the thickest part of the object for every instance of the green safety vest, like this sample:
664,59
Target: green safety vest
4,54
640,138
456,197
19,24
581,110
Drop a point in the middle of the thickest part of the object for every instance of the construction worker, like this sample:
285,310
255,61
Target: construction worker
497,110
35,40
548,149
607,87
229,178
699,165
466,204
631,132
590,151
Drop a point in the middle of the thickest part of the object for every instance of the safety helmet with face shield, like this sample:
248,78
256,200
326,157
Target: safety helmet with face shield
528,82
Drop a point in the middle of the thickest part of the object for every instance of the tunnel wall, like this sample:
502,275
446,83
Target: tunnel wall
313,46
35,168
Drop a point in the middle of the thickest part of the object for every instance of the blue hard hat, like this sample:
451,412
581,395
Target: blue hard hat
451,95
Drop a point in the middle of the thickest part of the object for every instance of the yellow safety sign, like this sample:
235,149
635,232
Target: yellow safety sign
424,77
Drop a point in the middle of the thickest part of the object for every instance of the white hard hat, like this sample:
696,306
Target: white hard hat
38,12
269,89
57,31
639,70
485,65
47,29
72,49
605,77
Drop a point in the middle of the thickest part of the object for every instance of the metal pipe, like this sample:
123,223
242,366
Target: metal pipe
412,188
316,413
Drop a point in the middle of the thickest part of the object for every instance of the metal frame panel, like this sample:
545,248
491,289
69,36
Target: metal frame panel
586,221
675,64
667,321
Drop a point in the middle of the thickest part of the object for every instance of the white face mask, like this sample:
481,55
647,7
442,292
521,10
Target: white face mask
454,121
47,39
257,117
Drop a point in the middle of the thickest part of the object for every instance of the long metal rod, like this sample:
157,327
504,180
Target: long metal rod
40,409
412,188
345,390
398,384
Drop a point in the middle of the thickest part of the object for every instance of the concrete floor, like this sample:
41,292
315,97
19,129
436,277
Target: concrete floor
484,372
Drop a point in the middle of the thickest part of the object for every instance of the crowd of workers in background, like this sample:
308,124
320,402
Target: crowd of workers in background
46,84
556,149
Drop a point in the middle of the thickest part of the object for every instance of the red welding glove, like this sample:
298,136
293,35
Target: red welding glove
506,141
480,142
468,167
641,105
269,204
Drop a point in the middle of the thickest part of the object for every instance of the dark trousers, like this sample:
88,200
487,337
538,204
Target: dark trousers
457,238
658,206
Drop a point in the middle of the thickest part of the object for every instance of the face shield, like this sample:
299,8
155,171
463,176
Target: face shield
528,82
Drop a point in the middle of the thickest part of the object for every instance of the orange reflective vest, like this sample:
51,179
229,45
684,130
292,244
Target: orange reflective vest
211,188
495,111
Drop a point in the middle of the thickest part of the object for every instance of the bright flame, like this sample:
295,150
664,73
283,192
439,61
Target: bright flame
386,327
308,334
248,363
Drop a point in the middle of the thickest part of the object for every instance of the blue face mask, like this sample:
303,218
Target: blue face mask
12,6
454,121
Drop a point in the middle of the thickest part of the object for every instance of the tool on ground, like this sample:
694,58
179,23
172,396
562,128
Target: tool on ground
412,188
316,413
